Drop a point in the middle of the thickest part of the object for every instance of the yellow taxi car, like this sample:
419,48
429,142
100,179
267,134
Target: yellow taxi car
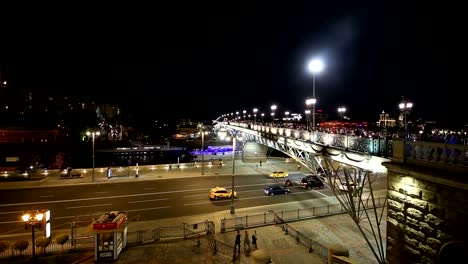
279,174
220,193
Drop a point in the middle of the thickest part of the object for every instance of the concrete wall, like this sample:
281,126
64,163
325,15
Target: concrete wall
427,213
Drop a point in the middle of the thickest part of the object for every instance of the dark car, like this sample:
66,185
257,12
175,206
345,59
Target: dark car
311,181
275,189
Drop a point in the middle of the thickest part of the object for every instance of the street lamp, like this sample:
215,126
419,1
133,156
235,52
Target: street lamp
307,112
234,139
309,102
315,66
202,133
94,134
341,111
255,110
33,219
273,108
263,114
405,107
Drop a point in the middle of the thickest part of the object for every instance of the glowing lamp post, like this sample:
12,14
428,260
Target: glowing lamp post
33,219
311,102
405,108
94,134
315,66
341,111
273,109
202,133
307,112
255,110
235,137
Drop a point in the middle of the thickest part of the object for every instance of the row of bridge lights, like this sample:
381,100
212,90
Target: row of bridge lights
405,107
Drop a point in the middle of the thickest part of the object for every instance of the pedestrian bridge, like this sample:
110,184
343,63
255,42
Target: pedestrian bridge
421,175
310,148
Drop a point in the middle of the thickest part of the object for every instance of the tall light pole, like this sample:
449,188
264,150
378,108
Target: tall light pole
93,134
307,112
235,137
255,110
309,102
341,111
202,149
405,107
315,66
263,114
33,219
273,108
233,211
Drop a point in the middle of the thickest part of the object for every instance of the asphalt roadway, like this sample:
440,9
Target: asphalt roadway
282,248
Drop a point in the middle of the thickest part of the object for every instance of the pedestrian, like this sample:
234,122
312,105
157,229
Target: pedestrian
298,167
247,242
237,243
260,163
254,240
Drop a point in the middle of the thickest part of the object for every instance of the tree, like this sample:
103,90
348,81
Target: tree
43,242
21,245
4,246
61,239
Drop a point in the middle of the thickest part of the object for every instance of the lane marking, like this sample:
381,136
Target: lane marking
152,200
86,206
146,209
123,196
250,198
195,195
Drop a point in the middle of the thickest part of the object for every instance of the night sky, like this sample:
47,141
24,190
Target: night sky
199,59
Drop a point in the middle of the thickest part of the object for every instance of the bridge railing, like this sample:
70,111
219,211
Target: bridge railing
431,153
376,146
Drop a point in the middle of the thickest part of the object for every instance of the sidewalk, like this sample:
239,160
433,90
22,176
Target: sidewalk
281,247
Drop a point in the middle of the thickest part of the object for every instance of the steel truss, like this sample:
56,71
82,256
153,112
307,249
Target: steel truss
359,201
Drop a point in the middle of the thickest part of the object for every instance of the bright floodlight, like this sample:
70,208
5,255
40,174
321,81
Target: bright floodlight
315,66
311,101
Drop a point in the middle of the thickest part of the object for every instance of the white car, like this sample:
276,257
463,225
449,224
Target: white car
344,187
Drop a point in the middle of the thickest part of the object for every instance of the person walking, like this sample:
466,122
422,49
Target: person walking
254,240
247,242
237,242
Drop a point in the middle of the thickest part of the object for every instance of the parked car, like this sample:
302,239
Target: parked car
311,181
220,193
279,174
276,189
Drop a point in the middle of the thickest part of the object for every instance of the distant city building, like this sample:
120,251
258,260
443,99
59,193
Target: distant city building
20,135
385,121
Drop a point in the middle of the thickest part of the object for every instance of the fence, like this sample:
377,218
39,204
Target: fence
86,241
313,246
281,217
272,217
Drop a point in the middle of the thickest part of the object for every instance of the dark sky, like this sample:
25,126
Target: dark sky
201,59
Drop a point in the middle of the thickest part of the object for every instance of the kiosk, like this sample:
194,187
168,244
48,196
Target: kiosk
110,235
